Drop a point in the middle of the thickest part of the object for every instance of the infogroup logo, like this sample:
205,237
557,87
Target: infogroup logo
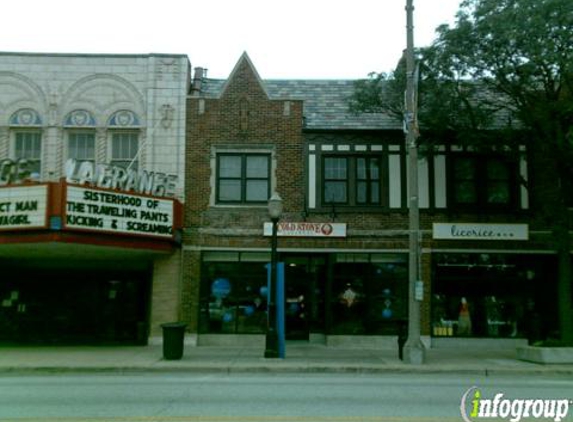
474,407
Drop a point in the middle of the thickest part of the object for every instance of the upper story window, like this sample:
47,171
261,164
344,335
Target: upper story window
26,125
28,145
124,126
81,146
243,178
483,181
81,126
351,180
124,147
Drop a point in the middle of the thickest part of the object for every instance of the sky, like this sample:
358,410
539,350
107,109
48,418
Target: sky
294,39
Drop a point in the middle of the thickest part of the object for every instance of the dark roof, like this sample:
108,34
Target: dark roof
325,103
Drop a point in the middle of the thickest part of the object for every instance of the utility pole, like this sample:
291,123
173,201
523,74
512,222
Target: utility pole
414,352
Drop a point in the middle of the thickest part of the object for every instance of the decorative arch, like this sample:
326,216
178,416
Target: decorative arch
25,117
19,92
124,119
103,94
80,118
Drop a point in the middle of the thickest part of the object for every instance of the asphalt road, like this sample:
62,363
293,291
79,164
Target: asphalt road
179,397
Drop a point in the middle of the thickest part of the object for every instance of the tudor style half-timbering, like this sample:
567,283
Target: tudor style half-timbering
91,156
343,235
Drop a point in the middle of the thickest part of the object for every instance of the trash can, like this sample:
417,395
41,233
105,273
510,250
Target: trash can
173,336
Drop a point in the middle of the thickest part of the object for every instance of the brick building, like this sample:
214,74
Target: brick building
88,247
343,236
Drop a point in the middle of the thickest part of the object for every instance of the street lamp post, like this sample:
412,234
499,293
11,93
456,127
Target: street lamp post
275,208
414,352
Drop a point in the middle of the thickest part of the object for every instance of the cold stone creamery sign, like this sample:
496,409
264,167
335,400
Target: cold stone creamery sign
304,229
99,210
23,207
477,231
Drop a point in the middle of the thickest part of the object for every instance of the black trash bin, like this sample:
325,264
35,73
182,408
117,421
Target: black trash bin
173,336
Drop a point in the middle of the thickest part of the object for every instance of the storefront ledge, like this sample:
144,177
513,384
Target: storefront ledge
545,355
362,342
477,343
232,340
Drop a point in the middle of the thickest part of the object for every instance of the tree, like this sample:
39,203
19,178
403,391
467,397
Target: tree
505,65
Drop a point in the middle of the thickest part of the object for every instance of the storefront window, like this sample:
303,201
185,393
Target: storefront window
369,294
492,295
233,296
342,293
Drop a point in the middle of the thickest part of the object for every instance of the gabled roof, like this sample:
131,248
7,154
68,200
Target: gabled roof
325,102
244,60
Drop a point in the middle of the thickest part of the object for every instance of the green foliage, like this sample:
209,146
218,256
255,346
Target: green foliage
506,64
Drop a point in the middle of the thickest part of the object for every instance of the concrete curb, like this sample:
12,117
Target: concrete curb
285,369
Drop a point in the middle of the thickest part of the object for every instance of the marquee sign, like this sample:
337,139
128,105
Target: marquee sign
23,207
478,231
114,177
117,212
304,229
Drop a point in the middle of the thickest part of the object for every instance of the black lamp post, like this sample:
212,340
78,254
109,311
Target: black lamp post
272,339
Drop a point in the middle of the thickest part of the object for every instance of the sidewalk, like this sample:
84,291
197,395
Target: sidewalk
300,357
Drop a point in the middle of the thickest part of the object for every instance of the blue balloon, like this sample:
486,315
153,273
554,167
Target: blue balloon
387,313
227,317
264,291
221,288
249,310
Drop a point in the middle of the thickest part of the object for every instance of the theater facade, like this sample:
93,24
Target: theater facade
91,190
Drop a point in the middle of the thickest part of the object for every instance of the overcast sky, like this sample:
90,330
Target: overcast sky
294,39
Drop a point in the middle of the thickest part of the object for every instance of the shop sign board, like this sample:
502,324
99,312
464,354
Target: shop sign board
480,231
118,212
304,229
23,207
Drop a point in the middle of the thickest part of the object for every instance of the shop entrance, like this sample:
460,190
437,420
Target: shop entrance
304,294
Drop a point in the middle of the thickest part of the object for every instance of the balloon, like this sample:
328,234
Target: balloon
221,287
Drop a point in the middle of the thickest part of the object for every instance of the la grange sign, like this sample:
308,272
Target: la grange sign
101,175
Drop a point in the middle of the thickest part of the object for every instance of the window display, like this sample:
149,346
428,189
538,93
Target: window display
487,295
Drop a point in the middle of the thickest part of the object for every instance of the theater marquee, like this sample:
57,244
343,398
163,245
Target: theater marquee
23,207
116,212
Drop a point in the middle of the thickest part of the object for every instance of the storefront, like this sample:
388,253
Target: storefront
336,293
492,292
79,262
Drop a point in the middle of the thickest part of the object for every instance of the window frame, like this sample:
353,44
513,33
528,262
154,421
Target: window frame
482,181
75,132
352,180
243,178
33,161
124,162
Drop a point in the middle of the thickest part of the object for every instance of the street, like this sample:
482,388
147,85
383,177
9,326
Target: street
167,397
